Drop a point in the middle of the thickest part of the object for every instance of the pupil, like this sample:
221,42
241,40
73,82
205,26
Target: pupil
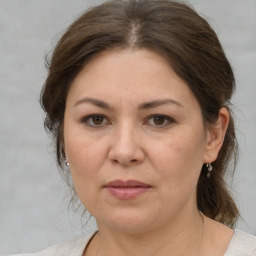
158,120
97,120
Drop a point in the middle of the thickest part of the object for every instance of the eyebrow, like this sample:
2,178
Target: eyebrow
156,103
145,105
96,102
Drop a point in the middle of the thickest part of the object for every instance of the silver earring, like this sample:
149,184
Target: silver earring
66,162
209,167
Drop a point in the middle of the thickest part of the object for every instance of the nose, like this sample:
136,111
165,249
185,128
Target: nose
126,148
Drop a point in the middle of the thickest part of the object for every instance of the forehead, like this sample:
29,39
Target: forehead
129,75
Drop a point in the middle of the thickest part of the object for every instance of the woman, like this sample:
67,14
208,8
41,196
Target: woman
138,101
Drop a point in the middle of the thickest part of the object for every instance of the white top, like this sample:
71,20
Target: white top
241,244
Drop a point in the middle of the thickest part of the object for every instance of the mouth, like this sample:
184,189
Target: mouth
127,190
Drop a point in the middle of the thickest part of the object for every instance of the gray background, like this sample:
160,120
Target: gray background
33,209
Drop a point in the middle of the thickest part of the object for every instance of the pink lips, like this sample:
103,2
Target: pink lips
126,190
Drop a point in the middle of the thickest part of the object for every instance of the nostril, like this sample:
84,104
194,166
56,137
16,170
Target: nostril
125,155
125,162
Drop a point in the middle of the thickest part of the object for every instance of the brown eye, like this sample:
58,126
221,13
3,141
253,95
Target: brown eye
97,120
159,120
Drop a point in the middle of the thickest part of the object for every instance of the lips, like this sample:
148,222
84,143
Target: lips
127,190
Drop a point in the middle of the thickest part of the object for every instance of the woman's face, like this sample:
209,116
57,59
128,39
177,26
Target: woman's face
135,140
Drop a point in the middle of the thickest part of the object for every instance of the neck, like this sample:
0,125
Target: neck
180,238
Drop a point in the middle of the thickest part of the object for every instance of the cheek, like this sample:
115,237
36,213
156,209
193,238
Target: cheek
179,158
85,156
178,163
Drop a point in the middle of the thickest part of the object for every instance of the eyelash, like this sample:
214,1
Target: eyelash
86,119
167,119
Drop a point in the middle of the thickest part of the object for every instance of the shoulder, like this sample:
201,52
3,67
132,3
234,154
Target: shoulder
241,244
74,247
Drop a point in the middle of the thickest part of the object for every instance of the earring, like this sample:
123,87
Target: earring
66,162
209,167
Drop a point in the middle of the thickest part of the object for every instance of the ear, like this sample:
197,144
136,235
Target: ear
215,136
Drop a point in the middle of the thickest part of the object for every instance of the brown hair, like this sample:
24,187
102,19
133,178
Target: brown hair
187,41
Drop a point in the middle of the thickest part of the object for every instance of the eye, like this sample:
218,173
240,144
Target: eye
160,120
95,120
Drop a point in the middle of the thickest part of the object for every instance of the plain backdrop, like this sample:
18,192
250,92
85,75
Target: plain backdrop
33,210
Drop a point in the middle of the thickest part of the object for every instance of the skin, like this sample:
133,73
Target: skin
128,142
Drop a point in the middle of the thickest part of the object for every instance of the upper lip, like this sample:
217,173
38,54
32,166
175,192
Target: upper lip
126,184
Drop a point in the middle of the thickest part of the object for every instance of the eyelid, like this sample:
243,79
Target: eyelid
86,118
168,118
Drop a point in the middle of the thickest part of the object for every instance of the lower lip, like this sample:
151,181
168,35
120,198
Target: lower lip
127,193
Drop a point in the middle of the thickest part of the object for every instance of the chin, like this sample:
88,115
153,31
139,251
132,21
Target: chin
128,221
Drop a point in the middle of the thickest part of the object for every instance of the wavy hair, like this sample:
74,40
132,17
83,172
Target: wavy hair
178,33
